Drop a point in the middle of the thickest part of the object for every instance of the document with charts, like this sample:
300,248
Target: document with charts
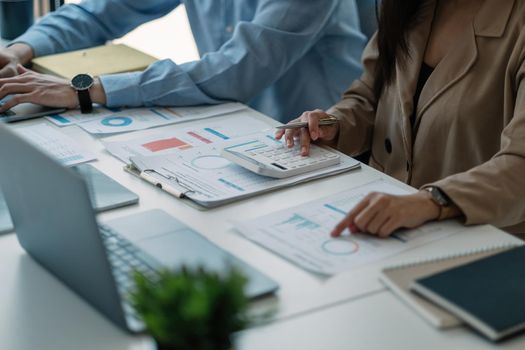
155,143
128,120
56,144
203,176
109,121
74,116
301,234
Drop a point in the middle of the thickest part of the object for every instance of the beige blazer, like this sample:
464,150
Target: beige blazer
469,135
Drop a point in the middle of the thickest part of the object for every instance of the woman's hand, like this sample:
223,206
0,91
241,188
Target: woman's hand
43,89
381,214
314,132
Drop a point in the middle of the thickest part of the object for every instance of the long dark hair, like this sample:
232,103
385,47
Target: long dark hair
395,18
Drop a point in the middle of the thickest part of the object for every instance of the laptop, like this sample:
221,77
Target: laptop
56,225
105,193
25,111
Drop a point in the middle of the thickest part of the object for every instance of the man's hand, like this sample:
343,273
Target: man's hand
11,57
43,89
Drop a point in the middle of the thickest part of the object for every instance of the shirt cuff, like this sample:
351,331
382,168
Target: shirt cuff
458,199
122,90
41,44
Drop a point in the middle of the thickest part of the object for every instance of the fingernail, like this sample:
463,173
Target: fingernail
314,135
303,150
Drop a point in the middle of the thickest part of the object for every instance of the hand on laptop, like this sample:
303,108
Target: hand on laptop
43,89
314,132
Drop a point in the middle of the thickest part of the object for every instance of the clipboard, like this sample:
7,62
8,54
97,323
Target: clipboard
153,169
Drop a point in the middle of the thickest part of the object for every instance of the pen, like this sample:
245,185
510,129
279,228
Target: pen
330,120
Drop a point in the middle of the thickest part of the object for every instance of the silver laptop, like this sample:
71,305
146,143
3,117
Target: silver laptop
25,111
55,223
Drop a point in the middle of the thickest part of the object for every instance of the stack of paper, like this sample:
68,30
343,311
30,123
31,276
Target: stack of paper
114,121
180,139
205,177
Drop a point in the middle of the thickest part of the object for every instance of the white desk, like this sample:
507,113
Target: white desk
377,322
36,311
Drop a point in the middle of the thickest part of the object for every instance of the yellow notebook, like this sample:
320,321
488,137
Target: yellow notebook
100,60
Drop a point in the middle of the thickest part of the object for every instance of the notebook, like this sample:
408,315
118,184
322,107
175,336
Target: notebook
399,278
100,60
487,294
105,193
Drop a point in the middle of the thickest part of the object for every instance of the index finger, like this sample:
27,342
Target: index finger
349,218
279,134
313,124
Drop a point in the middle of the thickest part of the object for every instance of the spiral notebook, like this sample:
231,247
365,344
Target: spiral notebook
399,278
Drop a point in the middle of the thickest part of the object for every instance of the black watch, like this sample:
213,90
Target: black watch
438,196
81,83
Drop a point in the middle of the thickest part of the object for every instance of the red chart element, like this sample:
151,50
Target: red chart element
199,137
161,145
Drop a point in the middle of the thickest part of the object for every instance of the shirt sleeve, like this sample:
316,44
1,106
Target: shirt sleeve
90,23
357,109
493,192
258,53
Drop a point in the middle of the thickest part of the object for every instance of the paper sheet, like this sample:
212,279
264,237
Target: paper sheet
141,118
201,112
74,117
301,234
57,145
211,180
129,120
166,142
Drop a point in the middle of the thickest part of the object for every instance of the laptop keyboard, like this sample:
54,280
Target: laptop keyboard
125,258
6,114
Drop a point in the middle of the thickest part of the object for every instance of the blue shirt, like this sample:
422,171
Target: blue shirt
280,57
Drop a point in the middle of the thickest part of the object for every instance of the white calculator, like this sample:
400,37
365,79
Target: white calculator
266,156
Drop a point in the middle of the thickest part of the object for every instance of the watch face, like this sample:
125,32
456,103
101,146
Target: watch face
439,196
82,82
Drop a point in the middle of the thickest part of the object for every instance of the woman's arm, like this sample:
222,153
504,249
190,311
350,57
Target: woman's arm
355,112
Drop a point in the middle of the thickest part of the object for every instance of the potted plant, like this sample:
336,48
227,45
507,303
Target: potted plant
192,309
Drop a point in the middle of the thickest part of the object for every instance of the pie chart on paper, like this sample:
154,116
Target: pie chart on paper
210,162
116,121
340,247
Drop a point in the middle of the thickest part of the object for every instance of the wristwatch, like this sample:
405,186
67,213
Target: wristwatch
440,198
81,83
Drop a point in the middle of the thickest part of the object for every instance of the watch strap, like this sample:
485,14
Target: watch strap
84,99
444,212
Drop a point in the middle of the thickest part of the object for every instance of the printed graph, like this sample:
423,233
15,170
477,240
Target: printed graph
299,222
166,144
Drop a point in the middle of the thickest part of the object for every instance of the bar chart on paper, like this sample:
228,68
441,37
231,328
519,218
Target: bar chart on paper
301,234
180,139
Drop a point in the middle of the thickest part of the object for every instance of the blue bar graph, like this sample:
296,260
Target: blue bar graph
300,222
